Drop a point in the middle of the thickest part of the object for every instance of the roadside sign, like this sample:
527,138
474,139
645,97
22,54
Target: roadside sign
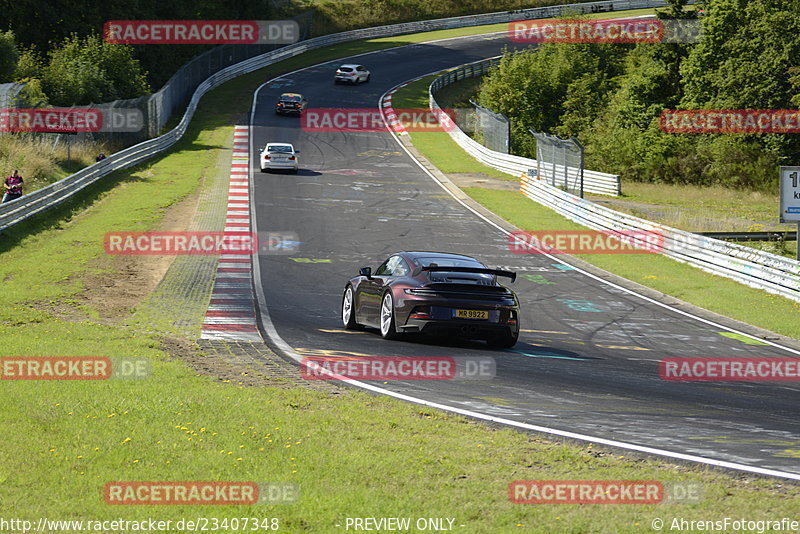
790,200
790,194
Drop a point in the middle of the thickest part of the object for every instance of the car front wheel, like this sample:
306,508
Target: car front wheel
348,310
388,327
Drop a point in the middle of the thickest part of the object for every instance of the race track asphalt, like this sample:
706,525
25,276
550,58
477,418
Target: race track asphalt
587,360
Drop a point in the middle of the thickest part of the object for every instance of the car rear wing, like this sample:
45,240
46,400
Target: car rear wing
477,270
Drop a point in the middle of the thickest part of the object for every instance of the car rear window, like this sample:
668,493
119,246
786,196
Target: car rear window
279,148
294,98
442,276
448,262
345,69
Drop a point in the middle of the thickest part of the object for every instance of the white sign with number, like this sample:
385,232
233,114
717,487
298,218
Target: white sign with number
790,194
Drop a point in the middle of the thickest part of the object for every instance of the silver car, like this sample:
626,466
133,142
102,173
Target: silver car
279,156
351,73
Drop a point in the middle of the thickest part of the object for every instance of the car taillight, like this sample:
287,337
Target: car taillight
267,157
291,157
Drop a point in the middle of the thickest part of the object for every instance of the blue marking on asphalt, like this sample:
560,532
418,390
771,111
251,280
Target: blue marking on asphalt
545,354
563,267
581,305
288,244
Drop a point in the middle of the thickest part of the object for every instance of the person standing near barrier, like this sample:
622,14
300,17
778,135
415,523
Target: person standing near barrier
13,186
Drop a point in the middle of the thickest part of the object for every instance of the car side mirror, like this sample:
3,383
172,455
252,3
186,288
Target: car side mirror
366,271
296,151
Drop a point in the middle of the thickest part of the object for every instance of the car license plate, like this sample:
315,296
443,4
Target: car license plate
472,314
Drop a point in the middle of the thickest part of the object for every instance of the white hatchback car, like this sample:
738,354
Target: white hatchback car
279,156
351,73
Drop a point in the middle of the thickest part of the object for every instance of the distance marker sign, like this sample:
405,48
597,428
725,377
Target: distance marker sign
790,194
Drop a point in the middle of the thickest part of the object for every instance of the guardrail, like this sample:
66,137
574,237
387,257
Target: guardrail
598,183
753,236
756,268
14,212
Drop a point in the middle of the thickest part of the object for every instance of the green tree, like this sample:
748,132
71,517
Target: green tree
47,23
9,54
32,95
748,59
29,65
89,70
745,55
626,138
556,88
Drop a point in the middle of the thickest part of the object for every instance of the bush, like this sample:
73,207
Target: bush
9,54
559,88
39,161
29,65
32,95
89,70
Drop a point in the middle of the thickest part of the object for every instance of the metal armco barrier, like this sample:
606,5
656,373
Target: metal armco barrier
756,268
55,194
598,183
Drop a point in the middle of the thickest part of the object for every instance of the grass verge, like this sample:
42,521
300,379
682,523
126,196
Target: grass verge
352,454
449,157
707,209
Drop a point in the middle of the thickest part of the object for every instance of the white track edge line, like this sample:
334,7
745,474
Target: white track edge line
279,342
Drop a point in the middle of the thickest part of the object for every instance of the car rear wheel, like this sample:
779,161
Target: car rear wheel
348,310
388,327
366,79
503,341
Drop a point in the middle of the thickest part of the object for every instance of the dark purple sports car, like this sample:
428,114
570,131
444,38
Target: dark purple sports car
433,293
